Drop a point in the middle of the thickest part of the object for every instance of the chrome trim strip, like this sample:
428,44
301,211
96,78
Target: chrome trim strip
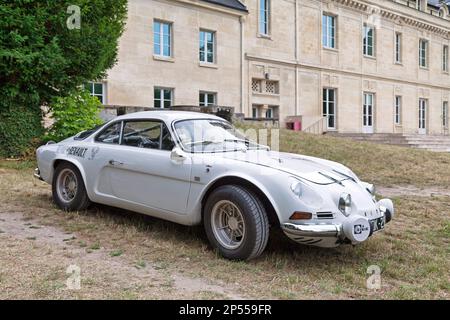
319,230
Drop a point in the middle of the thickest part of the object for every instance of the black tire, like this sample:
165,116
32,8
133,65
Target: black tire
255,218
80,201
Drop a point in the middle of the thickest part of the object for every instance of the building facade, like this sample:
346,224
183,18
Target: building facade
357,65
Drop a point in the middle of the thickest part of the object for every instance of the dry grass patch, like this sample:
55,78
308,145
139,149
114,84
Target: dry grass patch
413,253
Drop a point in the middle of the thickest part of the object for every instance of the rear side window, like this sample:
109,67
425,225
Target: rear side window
111,134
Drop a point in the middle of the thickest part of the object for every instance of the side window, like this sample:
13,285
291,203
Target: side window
110,135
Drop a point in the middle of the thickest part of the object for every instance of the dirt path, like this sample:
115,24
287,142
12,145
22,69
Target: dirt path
400,191
41,260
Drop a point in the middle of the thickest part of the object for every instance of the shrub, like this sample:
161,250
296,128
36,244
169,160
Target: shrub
73,114
18,127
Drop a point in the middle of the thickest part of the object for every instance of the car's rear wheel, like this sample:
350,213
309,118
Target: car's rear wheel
236,223
68,189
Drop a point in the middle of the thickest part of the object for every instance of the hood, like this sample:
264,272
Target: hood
312,169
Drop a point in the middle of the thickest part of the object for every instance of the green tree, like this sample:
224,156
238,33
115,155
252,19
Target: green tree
73,114
43,54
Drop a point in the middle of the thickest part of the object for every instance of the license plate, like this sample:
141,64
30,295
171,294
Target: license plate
377,224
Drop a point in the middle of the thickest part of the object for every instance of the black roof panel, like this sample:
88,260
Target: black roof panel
233,4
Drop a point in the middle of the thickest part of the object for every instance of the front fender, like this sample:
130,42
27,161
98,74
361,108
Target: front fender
197,201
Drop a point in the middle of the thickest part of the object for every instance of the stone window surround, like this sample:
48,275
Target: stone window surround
336,31
426,52
267,34
214,35
445,58
205,94
162,100
374,41
398,47
171,41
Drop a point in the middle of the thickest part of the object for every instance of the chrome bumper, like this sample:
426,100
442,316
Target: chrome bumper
313,231
37,174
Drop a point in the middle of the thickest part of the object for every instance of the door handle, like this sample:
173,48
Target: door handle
115,163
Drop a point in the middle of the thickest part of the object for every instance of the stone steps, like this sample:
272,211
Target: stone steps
427,142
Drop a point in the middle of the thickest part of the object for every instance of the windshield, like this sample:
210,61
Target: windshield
209,135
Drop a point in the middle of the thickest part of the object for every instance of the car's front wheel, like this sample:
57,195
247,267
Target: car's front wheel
68,189
236,223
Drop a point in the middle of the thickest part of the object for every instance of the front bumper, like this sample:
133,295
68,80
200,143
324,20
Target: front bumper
37,174
354,229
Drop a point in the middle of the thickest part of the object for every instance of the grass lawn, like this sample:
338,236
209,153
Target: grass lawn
127,256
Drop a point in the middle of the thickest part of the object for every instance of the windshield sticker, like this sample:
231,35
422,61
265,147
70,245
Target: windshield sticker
77,152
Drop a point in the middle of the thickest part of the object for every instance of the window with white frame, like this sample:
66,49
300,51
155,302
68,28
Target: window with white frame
329,107
423,53
207,46
445,58
207,98
445,114
398,110
264,17
398,47
369,41
329,31
162,38
96,89
163,97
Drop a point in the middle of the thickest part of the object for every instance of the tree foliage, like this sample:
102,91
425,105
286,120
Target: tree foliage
73,114
40,57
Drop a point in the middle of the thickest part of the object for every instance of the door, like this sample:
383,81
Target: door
329,107
140,170
368,113
422,116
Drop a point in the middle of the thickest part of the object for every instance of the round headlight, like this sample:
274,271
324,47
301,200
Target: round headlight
345,204
296,188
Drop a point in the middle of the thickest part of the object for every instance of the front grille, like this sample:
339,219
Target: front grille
325,215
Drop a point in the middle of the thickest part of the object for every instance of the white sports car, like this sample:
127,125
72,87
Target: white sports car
192,168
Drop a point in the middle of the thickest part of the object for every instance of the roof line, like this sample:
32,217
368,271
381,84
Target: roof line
243,9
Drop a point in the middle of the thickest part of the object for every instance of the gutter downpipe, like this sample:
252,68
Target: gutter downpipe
242,21
297,102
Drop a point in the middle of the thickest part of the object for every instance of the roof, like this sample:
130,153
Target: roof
167,116
233,4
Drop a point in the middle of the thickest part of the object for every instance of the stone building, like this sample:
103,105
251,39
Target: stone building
348,65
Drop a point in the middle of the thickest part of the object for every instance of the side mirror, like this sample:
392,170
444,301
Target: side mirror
177,155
